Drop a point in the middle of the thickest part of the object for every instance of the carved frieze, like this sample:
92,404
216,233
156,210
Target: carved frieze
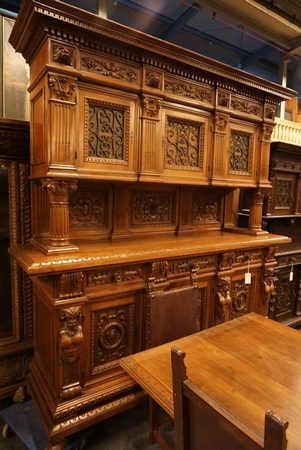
153,208
109,68
62,88
89,209
188,90
241,152
226,261
107,132
245,106
184,144
111,276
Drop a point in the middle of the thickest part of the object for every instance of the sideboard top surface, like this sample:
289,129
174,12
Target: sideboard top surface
111,252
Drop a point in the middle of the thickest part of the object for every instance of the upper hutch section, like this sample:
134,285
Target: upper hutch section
111,103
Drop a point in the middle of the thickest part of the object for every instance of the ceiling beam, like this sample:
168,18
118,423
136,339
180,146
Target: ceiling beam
190,12
234,15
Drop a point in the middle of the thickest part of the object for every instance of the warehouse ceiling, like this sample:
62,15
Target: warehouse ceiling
258,36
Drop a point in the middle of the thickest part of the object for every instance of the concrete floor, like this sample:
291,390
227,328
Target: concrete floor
125,431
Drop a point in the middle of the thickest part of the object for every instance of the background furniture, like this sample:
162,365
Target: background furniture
137,150
199,419
16,319
282,215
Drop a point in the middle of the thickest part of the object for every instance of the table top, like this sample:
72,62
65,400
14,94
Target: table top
250,365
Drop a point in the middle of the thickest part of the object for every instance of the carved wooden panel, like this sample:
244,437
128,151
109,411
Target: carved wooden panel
112,334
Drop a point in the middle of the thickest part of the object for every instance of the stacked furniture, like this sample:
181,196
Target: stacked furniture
138,148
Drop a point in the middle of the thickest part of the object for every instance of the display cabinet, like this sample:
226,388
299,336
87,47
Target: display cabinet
137,150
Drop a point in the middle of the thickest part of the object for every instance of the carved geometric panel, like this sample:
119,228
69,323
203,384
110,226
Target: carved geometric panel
107,132
112,335
153,208
282,193
241,153
89,209
206,207
184,144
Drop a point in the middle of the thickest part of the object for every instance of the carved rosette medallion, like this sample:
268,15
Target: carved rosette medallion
111,332
240,297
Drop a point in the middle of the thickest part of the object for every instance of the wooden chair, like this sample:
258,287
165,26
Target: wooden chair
171,314
203,423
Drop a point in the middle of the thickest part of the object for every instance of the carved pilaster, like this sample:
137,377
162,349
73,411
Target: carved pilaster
223,300
70,338
58,193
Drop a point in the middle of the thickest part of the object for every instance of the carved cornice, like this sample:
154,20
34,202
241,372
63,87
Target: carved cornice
80,28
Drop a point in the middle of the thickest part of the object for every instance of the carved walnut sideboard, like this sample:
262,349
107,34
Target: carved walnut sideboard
137,150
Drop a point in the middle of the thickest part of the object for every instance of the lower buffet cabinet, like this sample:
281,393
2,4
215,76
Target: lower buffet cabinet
90,309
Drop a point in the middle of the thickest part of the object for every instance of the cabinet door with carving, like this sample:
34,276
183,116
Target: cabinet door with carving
185,140
108,136
284,193
241,154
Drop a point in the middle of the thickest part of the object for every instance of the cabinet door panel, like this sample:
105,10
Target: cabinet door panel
108,136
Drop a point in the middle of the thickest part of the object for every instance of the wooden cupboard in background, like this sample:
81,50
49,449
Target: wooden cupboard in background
138,148
16,319
282,215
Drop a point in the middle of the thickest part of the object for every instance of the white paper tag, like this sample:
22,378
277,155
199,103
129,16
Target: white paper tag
291,276
247,278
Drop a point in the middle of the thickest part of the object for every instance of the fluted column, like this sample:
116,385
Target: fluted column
255,217
58,194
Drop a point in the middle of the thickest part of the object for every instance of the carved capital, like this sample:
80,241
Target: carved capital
61,88
151,107
221,122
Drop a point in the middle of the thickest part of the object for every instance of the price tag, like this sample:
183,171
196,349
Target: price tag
247,278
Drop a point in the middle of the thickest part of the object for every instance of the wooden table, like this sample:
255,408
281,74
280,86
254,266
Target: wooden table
250,365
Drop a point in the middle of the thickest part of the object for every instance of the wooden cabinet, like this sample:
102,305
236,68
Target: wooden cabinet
281,215
16,320
137,150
